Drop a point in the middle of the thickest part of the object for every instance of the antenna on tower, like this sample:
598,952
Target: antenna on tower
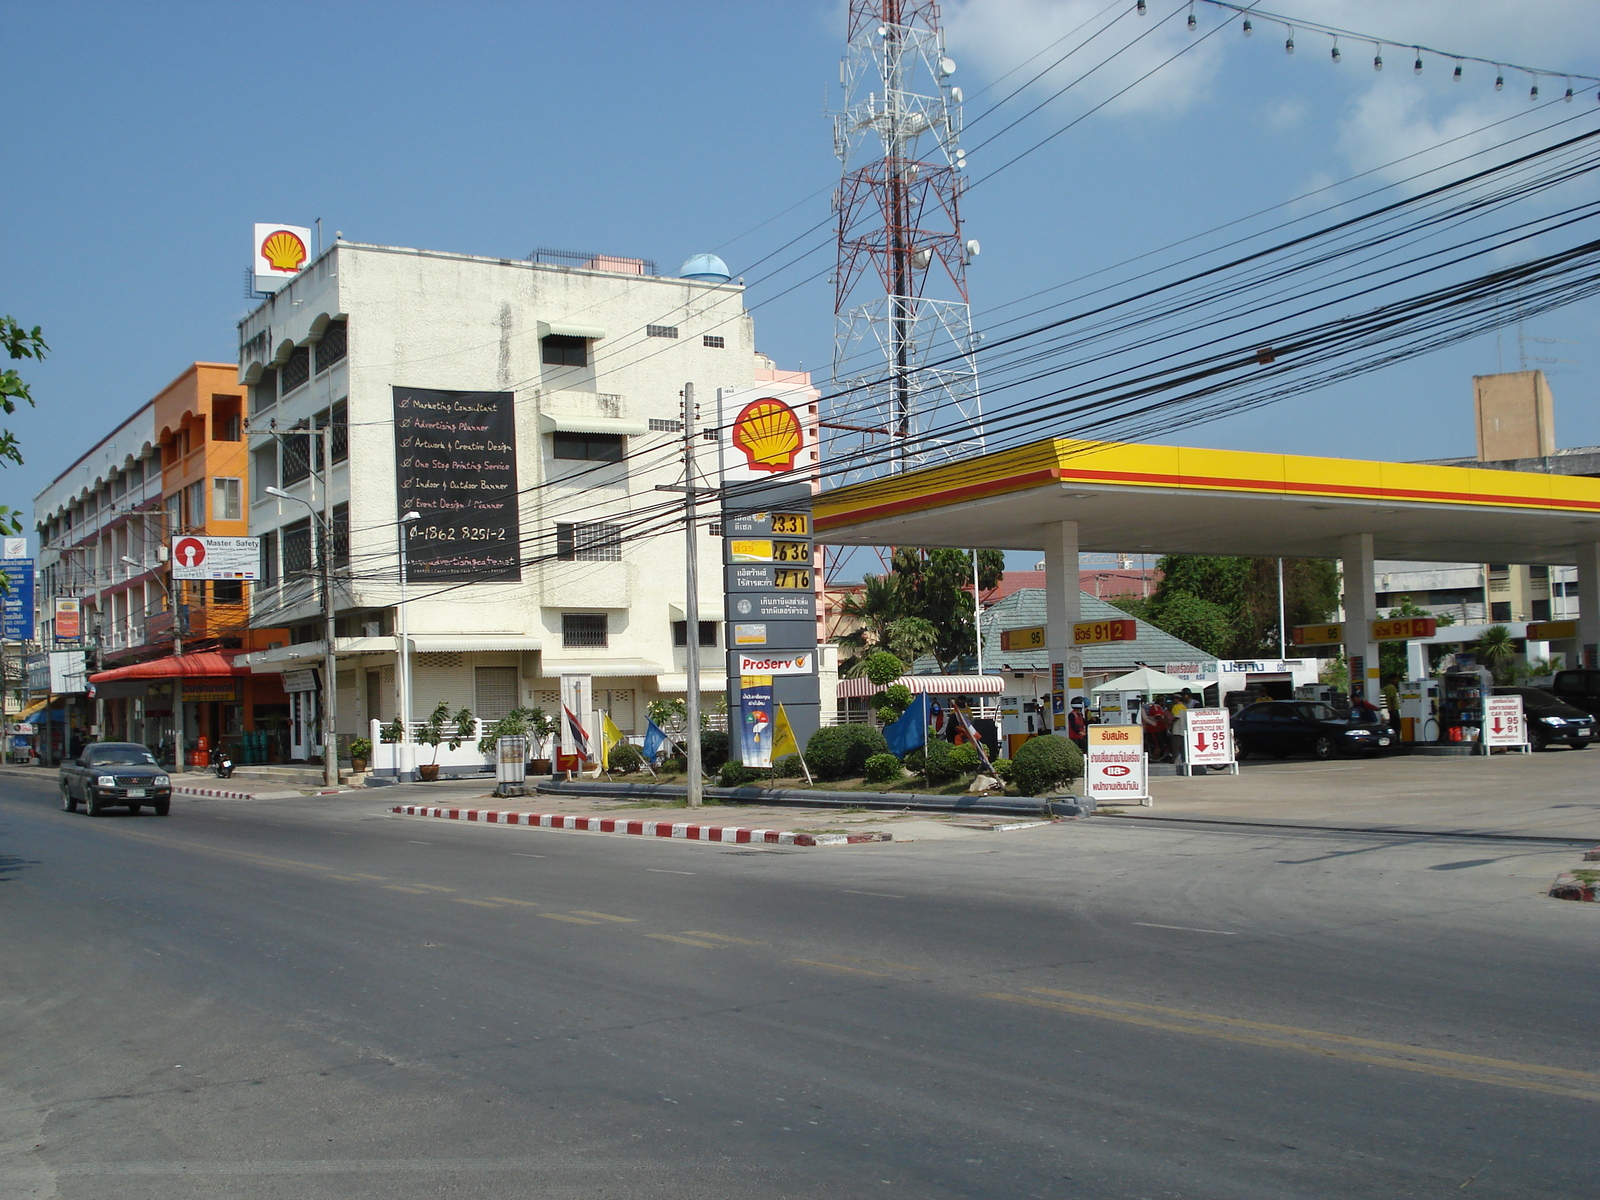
905,381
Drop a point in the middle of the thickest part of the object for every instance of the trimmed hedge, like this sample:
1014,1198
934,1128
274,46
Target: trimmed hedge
788,767
1044,763
626,758
883,768
964,760
934,763
835,751
713,749
734,775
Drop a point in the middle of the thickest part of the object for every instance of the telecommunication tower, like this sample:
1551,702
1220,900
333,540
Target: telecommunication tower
905,381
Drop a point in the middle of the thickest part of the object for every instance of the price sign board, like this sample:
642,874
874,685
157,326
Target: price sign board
1209,739
1504,723
1091,633
1031,638
1400,629
769,550
1318,635
1552,631
1114,767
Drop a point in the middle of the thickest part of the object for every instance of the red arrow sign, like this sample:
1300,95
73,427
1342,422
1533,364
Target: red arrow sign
1200,742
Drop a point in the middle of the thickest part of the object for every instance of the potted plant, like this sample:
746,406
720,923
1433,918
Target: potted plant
541,728
431,734
360,753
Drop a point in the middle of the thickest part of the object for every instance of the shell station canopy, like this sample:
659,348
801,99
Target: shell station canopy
1171,499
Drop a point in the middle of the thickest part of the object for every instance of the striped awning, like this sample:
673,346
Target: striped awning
935,685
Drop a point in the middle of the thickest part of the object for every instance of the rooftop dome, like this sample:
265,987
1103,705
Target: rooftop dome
707,268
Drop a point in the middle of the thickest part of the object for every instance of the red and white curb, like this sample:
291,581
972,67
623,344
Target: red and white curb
1570,887
220,794
662,829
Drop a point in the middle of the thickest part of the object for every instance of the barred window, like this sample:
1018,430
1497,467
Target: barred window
341,431
661,425
333,346
588,447
296,456
714,341
339,535
269,558
296,371
666,331
297,547
588,542
583,631
708,633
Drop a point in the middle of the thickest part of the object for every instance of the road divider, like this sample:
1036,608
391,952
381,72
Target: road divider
683,830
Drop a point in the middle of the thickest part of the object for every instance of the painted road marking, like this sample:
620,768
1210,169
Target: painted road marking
828,966
564,917
659,871
348,878
880,962
1185,928
478,903
377,878
434,887
514,854
686,941
722,937
880,895
414,842
509,900
584,912
395,887
1398,1064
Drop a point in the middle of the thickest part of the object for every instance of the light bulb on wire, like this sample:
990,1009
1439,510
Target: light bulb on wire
1336,55
1499,79
1191,22
1568,96
1288,43
1456,74
1533,92
1416,67
1247,29
1377,57
1140,8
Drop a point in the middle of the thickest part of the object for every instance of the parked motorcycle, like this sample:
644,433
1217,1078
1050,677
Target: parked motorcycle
222,763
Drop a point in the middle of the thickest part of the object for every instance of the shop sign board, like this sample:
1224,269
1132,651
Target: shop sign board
1538,631
281,251
1114,768
777,664
300,681
18,601
1400,629
1092,633
1209,738
1504,723
1318,635
67,627
196,557
1029,638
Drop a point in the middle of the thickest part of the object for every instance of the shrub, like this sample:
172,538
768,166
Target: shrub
935,764
896,698
713,749
835,751
883,768
675,766
626,757
964,760
788,767
1002,769
882,667
735,775
1043,763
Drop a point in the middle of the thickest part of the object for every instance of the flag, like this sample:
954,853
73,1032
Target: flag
972,735
654,740
909,731
610,735
577,736
783,742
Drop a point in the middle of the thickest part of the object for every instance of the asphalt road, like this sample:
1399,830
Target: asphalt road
312,999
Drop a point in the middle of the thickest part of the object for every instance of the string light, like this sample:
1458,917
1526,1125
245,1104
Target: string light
1247,29
1192,23
1288,45
1416,67
1533,92
1457,73
1568,96
1140,8
1377,57
1336,55
1499,80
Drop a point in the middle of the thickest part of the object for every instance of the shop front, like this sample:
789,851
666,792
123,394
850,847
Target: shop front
222,705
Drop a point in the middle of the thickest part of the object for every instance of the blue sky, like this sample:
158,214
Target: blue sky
144,139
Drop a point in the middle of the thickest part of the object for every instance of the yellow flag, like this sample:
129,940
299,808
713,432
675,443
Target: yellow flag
610,735
783,736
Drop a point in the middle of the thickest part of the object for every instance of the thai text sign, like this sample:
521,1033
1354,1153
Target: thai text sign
1538,631
1089,633
1031,638
1208,737
1400,629
1503,721
18,599
1114,767
1318,635
455,461
68,624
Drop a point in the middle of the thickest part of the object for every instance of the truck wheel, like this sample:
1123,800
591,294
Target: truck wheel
68,804
161,807
91,803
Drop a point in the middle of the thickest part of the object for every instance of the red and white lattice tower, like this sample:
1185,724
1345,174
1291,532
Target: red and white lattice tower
905,381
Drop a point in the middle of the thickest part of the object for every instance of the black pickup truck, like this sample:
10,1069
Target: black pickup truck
121,773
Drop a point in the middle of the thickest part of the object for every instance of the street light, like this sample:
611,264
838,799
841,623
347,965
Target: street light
402,767
177,650
330,738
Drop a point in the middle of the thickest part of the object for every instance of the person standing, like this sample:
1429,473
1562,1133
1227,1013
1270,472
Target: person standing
1155,720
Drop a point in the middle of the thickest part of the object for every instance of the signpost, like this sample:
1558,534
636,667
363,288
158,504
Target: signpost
1092,633
1114,769
195,557
1505,724
1208,741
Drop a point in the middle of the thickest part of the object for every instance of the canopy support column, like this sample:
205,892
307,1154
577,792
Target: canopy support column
1061,614
1360,611
1588,555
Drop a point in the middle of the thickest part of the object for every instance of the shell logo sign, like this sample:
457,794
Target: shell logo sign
769,434
281,250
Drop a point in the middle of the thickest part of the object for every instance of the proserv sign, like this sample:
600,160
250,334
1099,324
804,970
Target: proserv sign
777,664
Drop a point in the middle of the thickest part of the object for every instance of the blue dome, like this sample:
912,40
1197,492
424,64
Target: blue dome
707,268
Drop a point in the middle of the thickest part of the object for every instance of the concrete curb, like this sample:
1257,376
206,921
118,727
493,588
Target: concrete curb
733,835
1569,887
1009,806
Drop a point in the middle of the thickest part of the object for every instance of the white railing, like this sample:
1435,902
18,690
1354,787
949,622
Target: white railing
470,757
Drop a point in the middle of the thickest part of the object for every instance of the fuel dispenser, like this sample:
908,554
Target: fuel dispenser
1419,710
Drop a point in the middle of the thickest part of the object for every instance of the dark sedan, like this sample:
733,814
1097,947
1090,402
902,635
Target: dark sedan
1551,721
115,773
1284,727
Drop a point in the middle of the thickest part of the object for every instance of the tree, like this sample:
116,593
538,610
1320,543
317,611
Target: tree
875,607
1245,590
912,637
1202,623
19,343
935,585
1392,660
1497,650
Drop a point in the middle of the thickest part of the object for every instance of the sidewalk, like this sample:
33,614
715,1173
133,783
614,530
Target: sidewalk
195,785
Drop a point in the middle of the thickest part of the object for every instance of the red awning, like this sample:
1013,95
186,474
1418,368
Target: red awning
208,664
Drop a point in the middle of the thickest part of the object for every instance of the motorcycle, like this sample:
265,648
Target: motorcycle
222,763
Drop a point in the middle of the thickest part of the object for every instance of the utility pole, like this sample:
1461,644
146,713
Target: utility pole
1283,629
691,606
330,664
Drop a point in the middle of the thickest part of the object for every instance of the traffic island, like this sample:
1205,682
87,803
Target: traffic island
1575,885
685,830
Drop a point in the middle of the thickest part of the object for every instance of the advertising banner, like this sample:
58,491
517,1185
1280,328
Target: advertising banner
755,720
68,624
216,558
18,601
455,462
280,253
1208,738
1504,723
1114,767
777,664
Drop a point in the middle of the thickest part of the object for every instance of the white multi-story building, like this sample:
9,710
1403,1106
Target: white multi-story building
578,370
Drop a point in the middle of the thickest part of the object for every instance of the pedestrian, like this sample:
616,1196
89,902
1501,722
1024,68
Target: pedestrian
1155,721
1078,724
1178,732
1391,699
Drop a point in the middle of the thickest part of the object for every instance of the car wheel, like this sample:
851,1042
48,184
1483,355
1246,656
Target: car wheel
1538,743
1326,747
68,804
1241,752
91,803
161,807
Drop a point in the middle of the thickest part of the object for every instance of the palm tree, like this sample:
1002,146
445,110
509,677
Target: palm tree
876,607
1497,650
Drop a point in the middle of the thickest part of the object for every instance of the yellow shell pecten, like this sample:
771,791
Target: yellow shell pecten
769,434
283,251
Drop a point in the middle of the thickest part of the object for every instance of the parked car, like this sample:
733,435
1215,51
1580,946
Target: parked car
1284,727
1579,688
108,773
1551,720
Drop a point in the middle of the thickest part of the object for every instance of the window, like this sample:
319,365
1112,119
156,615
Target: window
227,591
590,447
340,535
713,341
225,423
341,432
583,631
269,558
660,425
263,471
333,346
297,547
1539,572
1500,610
264,391
1541,610
708,633
296,371
666,331
195,503
227,499
296,456
714,528
558,350
589,543
494,692
174,514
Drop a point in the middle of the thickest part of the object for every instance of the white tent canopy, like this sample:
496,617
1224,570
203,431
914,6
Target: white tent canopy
1146,680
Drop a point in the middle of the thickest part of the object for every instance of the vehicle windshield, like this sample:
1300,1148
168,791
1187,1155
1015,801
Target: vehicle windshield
1318,712
122,756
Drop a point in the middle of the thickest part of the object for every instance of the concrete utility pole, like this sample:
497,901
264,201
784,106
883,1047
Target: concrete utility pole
405,755
691,606
178,630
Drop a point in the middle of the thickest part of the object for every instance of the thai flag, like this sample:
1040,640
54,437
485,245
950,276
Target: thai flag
578,736
972,736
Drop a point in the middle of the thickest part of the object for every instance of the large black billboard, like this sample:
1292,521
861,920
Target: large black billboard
455,460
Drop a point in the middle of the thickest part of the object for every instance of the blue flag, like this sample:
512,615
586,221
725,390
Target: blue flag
909,731
654,740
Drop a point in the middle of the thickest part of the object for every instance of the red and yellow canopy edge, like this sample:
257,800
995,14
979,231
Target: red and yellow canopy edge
1097,463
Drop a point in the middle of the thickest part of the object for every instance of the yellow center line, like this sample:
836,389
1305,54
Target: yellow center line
347,878
828,966
722,937
434,887
509,900
395,887
475,903
686,941
1345,1039
563,917
880,962
378,878
600,916
1398,1064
